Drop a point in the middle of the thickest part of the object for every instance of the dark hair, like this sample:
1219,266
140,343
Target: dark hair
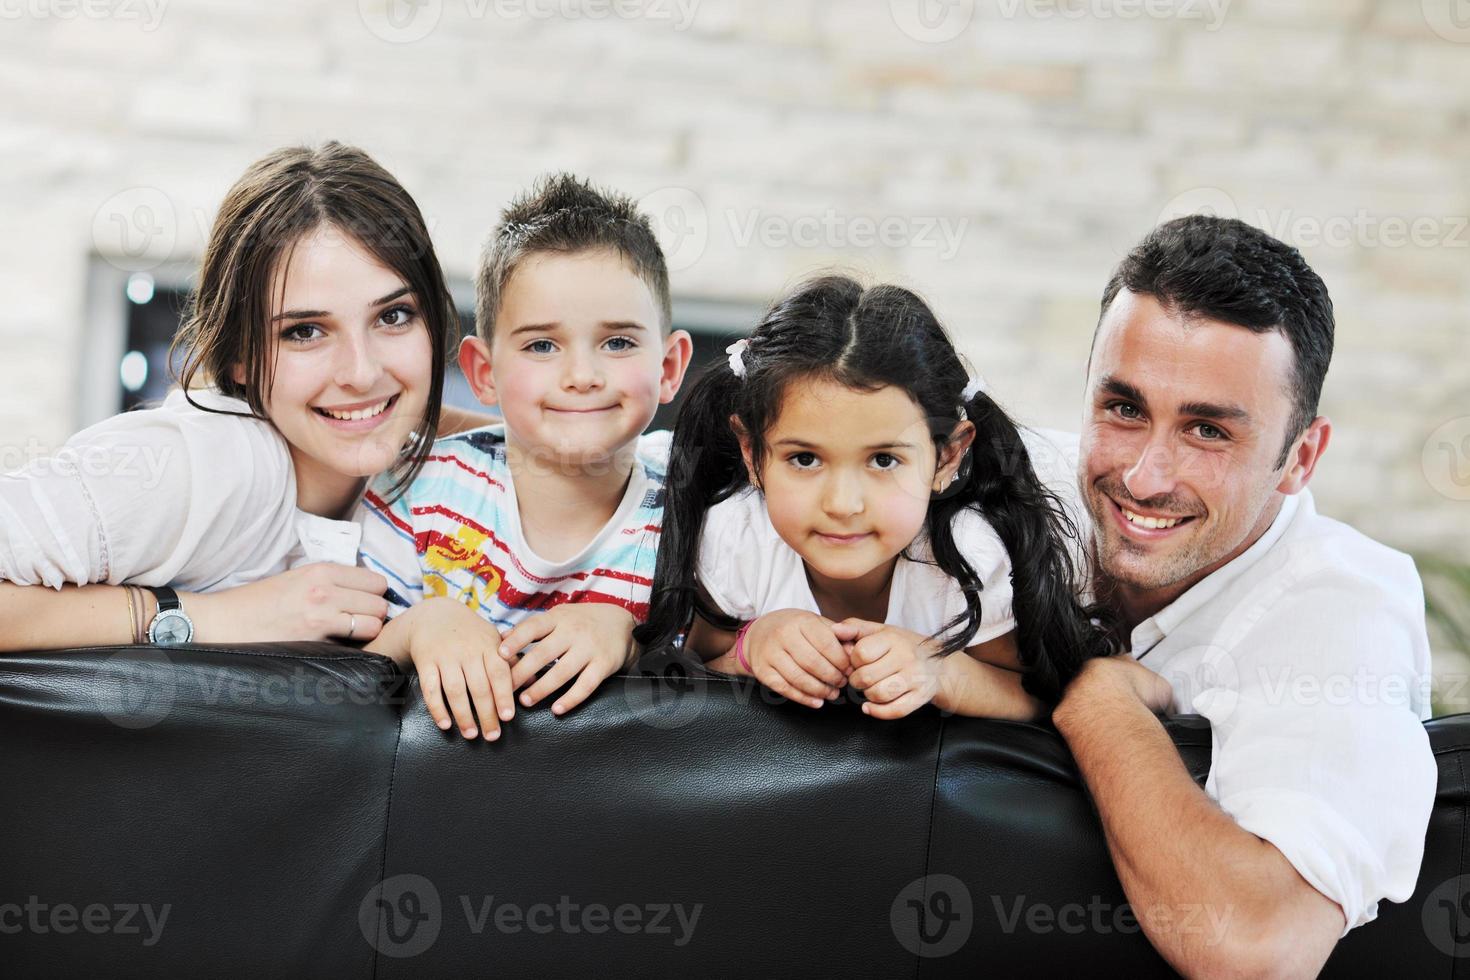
833,329
1224,269
280,198
563,213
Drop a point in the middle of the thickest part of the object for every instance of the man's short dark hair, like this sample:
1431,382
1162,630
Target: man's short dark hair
1224,269
563,213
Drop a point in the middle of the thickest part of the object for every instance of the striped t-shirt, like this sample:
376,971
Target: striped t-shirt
456,532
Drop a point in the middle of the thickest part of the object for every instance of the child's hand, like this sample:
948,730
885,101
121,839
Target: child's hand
453,650
896,669
796,654
590,641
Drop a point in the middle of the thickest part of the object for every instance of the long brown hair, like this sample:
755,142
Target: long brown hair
280,198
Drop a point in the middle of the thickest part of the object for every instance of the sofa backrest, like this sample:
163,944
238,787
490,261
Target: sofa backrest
281,809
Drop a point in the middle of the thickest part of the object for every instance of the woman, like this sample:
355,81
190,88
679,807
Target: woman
313,359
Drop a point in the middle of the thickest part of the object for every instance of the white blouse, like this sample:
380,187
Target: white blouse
172,495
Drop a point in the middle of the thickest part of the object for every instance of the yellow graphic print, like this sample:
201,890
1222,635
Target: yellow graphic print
459,559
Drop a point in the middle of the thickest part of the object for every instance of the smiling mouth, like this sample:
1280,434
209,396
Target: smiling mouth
364,415
844,538
1145,523
582,411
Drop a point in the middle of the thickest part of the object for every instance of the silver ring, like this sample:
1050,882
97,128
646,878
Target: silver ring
351,625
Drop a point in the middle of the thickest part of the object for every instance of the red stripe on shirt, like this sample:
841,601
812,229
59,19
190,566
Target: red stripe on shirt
467,468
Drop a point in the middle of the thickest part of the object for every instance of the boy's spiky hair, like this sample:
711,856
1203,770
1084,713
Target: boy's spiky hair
564,213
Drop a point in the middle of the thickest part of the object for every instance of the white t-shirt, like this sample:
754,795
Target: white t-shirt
165,496
749,570
1308,655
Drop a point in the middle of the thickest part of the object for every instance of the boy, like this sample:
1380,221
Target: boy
547,525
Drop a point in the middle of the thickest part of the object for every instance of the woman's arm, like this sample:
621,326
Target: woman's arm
33,617
453,421
315,602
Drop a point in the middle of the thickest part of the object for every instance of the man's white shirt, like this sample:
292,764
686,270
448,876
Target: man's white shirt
1309,657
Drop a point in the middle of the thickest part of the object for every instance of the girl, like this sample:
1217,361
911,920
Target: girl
318,331
847,507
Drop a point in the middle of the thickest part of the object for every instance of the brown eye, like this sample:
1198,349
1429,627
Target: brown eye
397,316
302,332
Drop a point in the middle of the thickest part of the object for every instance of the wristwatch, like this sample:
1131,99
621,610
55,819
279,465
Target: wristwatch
171,625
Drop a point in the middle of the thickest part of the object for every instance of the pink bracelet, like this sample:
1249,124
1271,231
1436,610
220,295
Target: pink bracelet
740,647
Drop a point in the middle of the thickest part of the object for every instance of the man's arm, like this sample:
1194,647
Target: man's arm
1215,900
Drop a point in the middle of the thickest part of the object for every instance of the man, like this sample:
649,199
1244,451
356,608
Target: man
1299,639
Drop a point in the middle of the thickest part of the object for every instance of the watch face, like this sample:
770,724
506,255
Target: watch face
171,627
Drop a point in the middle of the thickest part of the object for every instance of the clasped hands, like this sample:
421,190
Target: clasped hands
809,659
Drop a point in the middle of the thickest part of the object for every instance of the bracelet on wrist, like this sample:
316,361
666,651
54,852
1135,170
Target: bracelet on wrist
740,647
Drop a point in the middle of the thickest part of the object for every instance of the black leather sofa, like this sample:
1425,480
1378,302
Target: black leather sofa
291,811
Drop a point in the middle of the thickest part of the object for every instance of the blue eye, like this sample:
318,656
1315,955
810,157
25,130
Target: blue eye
534,349
627,341
1216,437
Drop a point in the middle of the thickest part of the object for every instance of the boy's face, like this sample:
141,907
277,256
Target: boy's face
577,362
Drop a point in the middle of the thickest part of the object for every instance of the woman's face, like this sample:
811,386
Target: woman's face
353,362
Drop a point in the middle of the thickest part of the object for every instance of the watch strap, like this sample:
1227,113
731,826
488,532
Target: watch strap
167,598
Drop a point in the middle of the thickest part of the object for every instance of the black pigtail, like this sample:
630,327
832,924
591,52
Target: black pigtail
1055,634
705,467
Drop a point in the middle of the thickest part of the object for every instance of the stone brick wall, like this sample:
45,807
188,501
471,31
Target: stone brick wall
998,155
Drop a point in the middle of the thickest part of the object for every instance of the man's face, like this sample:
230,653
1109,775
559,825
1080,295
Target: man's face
1182,429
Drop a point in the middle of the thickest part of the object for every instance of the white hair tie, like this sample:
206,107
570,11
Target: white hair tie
976,385
737,356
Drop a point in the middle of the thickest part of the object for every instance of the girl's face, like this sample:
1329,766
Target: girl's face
848,476
352,365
